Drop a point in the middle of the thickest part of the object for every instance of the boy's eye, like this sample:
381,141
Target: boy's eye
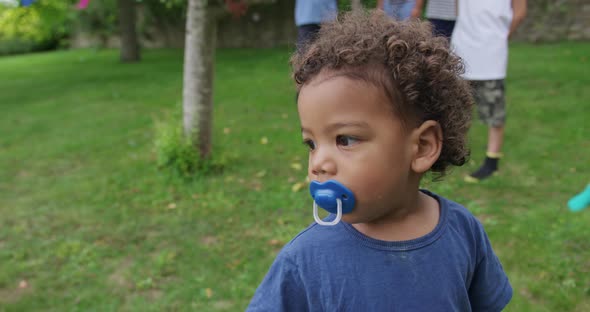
346,140
309,143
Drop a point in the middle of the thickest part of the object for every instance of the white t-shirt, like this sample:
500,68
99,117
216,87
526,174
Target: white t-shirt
480,37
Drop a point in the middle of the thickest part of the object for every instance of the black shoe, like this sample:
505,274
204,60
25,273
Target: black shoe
488,169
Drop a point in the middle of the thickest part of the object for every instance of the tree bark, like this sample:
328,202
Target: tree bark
199,58
127,21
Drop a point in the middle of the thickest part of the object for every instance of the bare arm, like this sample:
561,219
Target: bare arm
518,14
418,9
380,4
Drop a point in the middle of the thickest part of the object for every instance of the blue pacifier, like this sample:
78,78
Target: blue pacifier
332,197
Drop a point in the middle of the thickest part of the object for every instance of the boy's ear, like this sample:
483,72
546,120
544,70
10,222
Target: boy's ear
427,145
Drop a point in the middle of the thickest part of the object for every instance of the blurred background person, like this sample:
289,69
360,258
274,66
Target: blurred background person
398,9
309,14
441,13
481,37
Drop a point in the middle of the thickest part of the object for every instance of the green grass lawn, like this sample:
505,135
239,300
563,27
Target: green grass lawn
89,223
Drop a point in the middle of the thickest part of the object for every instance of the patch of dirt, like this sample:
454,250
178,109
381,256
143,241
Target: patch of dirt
118,277
583,306
526,293
152,294
222,305
12,295
209,240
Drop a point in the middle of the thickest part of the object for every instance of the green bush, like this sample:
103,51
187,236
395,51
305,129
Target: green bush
16,46
9,46
176,153
100,20
42,26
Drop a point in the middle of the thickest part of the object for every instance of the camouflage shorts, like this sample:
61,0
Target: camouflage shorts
490,100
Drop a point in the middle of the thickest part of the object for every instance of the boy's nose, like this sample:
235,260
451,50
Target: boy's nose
321,165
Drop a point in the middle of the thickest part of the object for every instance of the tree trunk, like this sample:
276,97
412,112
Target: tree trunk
199,57
356,4
129,42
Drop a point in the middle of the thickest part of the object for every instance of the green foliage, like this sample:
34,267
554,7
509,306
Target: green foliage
16,46
168,4
163,13
173,150
43,25
176,153
99,19
47,24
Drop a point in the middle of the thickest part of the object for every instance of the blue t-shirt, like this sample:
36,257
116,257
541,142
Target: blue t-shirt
315,11
337,268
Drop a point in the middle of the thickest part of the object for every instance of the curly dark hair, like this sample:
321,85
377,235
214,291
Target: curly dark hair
416,70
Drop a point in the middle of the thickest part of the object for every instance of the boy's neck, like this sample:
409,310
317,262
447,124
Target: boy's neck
418,217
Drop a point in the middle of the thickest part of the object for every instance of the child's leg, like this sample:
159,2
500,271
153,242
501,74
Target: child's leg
580,201
490,100
495,140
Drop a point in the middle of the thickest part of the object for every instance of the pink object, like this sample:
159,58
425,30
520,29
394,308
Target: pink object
82,4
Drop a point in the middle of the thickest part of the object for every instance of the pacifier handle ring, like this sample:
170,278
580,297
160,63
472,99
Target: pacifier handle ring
333,222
